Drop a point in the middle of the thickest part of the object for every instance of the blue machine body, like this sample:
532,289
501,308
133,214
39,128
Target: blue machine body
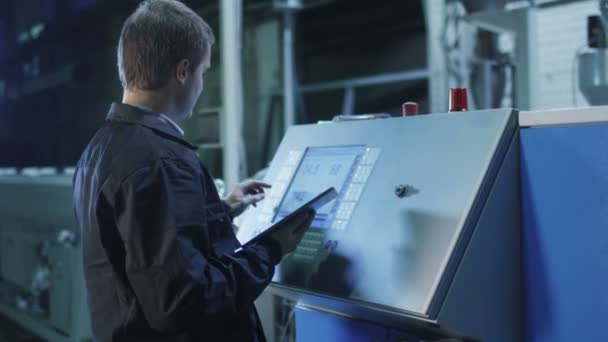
565,238
312,325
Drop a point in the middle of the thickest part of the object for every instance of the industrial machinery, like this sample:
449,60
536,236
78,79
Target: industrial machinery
41,283
423,242
593,61
565,240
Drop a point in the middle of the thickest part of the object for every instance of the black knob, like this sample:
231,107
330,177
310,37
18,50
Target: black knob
401,190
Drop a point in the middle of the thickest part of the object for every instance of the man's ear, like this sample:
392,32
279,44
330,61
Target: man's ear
182,71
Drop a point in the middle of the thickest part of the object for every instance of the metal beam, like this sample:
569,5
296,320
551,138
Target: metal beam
393,77
348,104
434,13
289,71
232,89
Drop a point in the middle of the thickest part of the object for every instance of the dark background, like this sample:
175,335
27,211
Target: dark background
58,65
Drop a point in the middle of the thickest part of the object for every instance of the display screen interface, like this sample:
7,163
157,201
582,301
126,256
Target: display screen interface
320,169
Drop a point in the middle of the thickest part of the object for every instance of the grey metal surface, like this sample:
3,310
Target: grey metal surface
231,122
593,76
394,252
289,71
485,298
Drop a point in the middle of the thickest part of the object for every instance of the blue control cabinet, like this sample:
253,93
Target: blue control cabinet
565,222
312,325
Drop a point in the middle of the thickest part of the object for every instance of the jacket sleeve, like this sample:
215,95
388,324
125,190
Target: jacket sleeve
160,216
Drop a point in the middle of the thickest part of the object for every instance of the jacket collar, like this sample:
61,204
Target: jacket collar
121,112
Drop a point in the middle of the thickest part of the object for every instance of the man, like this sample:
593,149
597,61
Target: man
158,245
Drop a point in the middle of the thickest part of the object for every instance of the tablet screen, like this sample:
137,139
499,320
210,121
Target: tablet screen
316,203
320,168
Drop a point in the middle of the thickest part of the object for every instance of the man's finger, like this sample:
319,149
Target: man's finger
301,221
299,233
309,219
298,220
256,184
251,199
312,213
263,184
303,227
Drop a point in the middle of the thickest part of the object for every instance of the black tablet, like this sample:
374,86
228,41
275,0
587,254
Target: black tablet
315,203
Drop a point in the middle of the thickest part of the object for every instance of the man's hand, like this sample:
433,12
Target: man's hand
289,237
244,194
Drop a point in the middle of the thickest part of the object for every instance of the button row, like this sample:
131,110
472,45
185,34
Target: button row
362,174
345,210
339,224
293,158
303,258
285,173
371,156
313,236
277,190
306,251
354,192
311,243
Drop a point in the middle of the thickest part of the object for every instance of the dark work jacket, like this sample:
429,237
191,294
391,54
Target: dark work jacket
157,241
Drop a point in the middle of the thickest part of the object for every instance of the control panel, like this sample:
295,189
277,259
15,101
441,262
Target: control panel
409,189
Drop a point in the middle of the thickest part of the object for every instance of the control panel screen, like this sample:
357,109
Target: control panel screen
319,169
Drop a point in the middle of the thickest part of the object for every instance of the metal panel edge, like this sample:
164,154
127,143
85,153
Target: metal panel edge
485,298
501,148
565,116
